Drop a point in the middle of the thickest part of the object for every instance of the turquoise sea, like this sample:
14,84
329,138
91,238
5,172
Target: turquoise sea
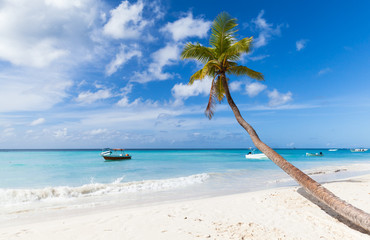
82,177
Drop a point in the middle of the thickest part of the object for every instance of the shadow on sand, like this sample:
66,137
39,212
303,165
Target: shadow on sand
329,211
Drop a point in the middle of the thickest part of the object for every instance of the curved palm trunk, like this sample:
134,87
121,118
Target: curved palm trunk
353,214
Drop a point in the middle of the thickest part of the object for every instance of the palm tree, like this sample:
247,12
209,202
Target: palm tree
220,59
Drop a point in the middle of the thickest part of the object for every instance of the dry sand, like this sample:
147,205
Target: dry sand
286,213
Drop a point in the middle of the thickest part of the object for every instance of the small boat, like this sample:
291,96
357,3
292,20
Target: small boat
314,154
114,154
255,156
333,150
359,150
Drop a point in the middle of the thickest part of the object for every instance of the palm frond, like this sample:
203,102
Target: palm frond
220,58
242,46
219,89
245,71
210,69
196,76
209,112
223,30
197,52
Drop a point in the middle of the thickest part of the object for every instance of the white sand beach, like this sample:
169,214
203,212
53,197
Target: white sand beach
285,213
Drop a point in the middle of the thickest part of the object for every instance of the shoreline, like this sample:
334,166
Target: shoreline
286,213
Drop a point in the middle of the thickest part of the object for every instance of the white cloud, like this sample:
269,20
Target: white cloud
60,133
127,89
38,33
32,90
97,131
124,55
267,30
8,132
277,99
166,56
90,97
235,85
126,21
301,44
324,71
259,57
253,89
63,4
187,27
183,91
124,102
37,121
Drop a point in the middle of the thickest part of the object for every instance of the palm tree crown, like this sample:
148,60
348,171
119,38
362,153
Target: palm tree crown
220,58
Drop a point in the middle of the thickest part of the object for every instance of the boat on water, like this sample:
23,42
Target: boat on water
251,155
320,154
115,154
359,150
333,150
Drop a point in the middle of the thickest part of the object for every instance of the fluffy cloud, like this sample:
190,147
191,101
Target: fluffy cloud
37,121
166,56
126,21
90,97
266,30
124,102
187,27
254,88
124,55
277,99
37,33
235,85
169,55
183,91
301,44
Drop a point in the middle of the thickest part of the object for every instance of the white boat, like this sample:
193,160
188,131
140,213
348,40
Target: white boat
333,150
359,150
255,156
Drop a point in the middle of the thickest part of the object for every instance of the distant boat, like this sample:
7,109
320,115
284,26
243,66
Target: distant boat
333,150
314,154
359,150
114,154
255,156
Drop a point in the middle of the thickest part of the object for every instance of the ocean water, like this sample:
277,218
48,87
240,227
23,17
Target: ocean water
37,179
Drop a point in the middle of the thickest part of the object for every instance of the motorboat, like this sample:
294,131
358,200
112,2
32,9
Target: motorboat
333,150
359,150
251,155
314,154
115,154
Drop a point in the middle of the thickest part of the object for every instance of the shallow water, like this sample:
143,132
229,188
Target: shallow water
81,178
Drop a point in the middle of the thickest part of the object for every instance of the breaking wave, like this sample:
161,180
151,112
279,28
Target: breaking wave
98,189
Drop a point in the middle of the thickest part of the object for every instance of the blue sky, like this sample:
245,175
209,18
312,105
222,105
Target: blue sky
94,74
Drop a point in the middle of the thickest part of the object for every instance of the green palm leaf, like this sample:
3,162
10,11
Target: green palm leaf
196,76
197,52
244,71
219,89
220,58
211,102
242,46
223,30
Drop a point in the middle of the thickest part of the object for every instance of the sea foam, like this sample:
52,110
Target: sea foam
14,196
